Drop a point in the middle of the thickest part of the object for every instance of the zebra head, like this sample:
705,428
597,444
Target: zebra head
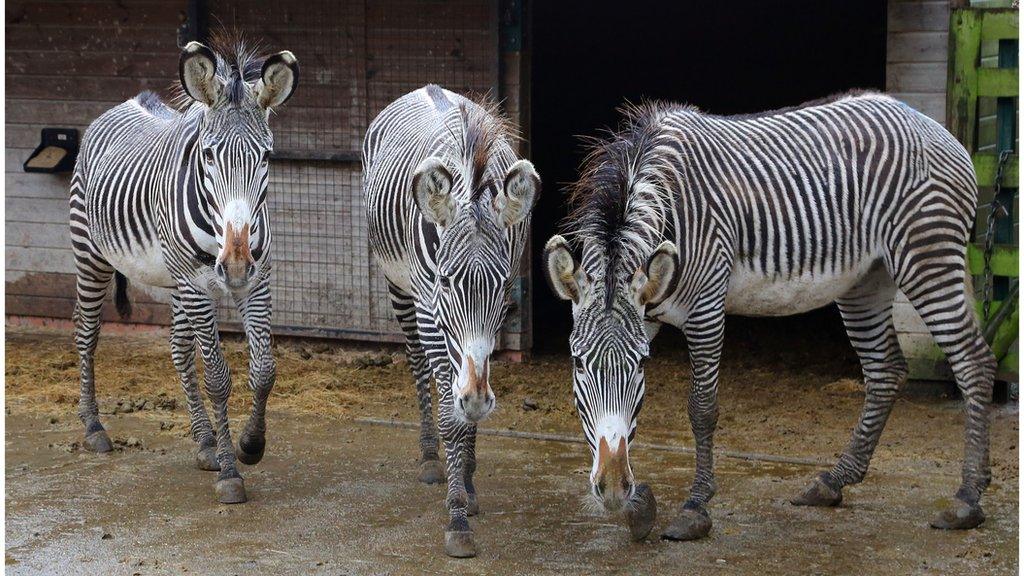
609,346
231,154
480,211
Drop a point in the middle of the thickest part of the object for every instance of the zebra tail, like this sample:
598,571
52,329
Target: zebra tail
121,301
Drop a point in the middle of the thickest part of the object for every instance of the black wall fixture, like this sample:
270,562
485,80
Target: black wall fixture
56,152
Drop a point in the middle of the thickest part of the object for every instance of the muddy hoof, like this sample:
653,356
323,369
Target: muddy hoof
689,525
206,458
250,449
230,491
472,506
818,494
641,515
459,544
431,472
960,516
98,441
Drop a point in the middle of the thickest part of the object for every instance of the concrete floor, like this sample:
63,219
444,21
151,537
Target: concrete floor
339,497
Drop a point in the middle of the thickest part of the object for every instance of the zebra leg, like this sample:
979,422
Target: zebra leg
94,275
183,353
202,315
458,536
938,293
472,506
704,330
867,315
255,310
431,471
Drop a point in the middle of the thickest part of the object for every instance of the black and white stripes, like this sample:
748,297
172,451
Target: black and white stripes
683,216
448,207
177,201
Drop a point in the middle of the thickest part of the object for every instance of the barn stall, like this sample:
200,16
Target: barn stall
560,69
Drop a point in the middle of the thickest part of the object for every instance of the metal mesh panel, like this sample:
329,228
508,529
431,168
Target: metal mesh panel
355,58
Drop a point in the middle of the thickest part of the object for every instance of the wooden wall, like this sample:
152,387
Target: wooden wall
66,62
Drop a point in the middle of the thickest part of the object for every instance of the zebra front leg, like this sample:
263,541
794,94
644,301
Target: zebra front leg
93,281
704,332
255,309
458,536
472,506
201,313
183,354
867,315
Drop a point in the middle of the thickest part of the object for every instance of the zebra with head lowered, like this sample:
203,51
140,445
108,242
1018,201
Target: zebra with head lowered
449,213
684,217
177,200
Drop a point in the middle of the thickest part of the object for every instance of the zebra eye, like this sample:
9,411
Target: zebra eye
266,159
445,281
208,155
577,364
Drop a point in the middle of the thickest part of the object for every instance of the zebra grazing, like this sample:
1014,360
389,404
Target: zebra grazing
683,217
449,213
177,200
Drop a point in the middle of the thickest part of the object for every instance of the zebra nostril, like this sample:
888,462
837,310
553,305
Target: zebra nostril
462,404
219,269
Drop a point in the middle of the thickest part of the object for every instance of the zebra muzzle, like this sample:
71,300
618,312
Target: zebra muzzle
235,266
474,399
613,482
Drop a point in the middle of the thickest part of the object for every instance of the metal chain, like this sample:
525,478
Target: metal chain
996,211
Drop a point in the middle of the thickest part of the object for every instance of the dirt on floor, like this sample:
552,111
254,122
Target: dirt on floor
792,404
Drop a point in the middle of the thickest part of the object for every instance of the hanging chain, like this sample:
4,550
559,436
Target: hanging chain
996,211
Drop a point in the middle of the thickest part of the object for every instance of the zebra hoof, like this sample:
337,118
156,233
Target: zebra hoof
472,506
960,516
98,441
459,544
206,458
250,449
691,524
230,491
642,513
431,472
819,493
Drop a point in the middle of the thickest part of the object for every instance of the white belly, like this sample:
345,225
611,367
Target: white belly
754,294
145,265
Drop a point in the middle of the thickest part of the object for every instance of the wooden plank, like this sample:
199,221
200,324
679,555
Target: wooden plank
92,63
916,77
917,47
94,14
29,235
37,259
1000,24
986,164
917,16
961,107
995,82
932,105
1005,260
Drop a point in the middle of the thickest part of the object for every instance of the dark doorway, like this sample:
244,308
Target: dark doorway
725,57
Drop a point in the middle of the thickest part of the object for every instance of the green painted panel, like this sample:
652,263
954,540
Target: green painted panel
1005,260
997,82
985,165
1000,24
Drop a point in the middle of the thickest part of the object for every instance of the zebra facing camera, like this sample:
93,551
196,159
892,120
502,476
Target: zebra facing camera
56,153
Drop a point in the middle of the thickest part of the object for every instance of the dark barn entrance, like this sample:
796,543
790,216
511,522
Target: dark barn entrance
724,57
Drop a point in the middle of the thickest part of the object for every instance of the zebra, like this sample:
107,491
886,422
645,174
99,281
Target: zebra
682,217
177,200
448,207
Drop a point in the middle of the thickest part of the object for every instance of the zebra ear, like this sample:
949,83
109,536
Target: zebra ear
197,69
519,194
432,190
651,284
563,272
278,80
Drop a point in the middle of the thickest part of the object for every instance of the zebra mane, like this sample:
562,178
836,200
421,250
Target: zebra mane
618,205
239,63
483,126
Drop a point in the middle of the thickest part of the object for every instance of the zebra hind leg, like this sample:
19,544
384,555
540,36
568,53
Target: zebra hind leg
183,353
942,302
867,314
431,471
94,276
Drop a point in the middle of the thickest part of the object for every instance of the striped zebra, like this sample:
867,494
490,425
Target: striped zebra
683,217
449,207
177,200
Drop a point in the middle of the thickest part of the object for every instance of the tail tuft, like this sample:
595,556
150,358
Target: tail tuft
121,302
